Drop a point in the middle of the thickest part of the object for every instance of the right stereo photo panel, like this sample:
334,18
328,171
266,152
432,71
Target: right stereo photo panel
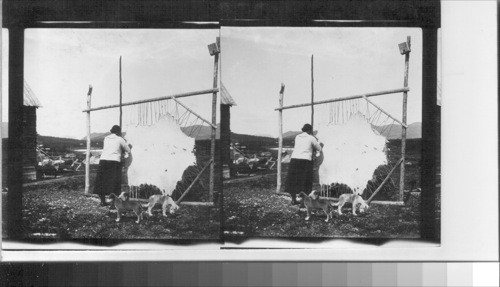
323,133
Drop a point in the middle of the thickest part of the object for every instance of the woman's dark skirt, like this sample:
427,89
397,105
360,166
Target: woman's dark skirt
109,178
299,177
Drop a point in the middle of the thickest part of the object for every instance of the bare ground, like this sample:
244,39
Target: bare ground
253,209
60,210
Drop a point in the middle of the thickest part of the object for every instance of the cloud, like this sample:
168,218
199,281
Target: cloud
347,61
61,63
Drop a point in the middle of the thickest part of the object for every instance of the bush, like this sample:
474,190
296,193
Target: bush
146,190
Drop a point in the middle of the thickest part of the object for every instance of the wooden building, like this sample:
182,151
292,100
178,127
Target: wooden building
29,134
29,137
225,130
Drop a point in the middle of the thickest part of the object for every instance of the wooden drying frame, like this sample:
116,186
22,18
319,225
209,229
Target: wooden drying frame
404,50
214,50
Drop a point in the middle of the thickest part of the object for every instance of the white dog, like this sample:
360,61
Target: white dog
165,201
355,199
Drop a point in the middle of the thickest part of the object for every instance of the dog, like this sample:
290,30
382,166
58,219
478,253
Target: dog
314,194
165,201
124,196
355,199
124,205
312,201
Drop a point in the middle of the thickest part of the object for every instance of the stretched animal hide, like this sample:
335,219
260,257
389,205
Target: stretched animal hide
161,152
352,152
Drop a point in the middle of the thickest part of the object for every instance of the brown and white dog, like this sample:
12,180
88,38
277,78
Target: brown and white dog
122,204
355,199
166,202
312,201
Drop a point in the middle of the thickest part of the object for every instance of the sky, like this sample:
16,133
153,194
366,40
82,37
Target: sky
60,64
347,61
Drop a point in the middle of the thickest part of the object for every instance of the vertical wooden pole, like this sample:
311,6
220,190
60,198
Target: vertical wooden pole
312,92
403,131
430,158
214,122
312,115
121,112
280,138
15,146
87,156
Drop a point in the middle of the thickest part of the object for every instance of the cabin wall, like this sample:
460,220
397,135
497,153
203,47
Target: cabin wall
29,135
225,136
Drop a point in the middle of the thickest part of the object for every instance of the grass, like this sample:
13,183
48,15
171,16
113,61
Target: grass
253,209
60,210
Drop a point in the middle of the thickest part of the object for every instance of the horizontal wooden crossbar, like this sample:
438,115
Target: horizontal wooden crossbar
202,92
197,203
191,203
380,202
346,98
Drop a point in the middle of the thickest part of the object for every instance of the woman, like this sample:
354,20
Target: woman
300,170
109,173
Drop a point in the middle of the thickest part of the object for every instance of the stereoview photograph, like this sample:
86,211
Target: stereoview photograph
325,132
118,137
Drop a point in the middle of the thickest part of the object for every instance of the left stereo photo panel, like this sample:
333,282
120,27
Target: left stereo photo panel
118,136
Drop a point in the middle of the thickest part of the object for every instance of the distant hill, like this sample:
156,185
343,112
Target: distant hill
57,144
253,144
389,131
293,134
202,132
99,137
290,134
199,132
393,131
54,143
265,135
242,138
